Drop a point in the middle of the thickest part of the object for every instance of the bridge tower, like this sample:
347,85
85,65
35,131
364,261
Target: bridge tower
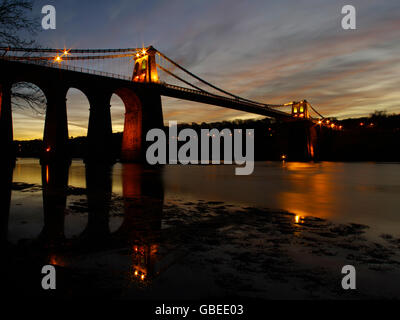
145,66
299,139
300,110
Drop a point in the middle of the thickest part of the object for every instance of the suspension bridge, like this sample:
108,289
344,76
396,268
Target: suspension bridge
140,76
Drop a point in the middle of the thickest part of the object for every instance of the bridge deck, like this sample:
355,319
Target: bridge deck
163,88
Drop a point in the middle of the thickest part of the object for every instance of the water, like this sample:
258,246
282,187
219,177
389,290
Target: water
127,222
365,193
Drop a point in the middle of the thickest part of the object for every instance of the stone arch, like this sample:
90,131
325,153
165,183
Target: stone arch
131,150
55,133
8,119
78,106
117,115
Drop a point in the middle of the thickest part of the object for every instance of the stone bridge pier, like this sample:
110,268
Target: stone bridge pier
143,112
55,137
299,141
99,135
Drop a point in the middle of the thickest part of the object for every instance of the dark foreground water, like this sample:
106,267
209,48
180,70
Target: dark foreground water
201,232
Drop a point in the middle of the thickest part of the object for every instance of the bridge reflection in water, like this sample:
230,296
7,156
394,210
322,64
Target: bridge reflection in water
137,238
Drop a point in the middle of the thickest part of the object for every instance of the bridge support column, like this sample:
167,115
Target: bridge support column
55,138
6,126
152,115
133,135
140,117
99,136
302,144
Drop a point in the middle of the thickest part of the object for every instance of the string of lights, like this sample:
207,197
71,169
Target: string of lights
60,58
48,50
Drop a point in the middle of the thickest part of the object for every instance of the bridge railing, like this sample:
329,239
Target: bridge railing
56,65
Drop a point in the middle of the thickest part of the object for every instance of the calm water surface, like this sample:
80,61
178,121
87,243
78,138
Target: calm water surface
200,231
364,193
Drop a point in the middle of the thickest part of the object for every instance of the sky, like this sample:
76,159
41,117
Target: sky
269,51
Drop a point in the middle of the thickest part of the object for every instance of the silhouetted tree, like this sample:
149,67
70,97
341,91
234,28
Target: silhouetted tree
14,21
17,29
379,114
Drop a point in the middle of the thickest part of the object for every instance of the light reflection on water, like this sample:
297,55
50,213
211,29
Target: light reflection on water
72,214
365,193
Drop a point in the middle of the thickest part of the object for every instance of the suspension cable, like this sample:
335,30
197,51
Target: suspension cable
48,50
315,110
180,79
211,85
193,75
65,58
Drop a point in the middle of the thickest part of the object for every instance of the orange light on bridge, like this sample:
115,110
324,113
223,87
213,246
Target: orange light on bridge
283,157
140,274
57,59
319,122
154,78
362,124
144,51
56,261
298,219
48,149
